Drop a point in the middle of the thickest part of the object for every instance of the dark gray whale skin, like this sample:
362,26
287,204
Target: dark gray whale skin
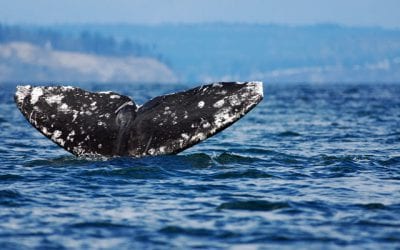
108,124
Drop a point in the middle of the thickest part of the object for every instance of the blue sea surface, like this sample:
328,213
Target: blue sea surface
312,166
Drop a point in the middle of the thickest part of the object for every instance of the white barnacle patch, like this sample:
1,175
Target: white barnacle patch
64,107
162,149
75,115
185,136
151,151
57,133
114,96
70,136
199,137
56,137
101,123
22,92
256,87
234,100
200,104
206,125
224,116
93,106
219,85
35,94
180,141
219,104
67,88
99,146
45,131
54,99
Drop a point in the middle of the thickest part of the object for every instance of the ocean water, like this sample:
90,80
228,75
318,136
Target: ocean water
312,166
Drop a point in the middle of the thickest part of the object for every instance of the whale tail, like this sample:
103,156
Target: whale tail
110,124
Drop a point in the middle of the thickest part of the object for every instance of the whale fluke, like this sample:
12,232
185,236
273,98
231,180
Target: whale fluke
109,124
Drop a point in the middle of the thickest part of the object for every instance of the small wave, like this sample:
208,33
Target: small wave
394,161
257,150
227,158
10,177
135,172
377,223
57,162
199,160
372,206
186,231
289,134
11,198
249,173
2,120
254,205
9,194
98,224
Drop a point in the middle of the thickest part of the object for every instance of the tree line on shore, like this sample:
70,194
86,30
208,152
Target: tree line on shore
85,41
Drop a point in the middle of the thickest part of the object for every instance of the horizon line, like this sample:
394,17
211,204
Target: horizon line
188,23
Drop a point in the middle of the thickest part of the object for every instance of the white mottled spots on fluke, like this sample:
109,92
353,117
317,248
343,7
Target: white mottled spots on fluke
22,92
70,136
198,137
85,122
64,107
219,104
206,125
56,137
54,99
35,94
200,104
185,136
57,133
234,100
45,131
75,115
219,85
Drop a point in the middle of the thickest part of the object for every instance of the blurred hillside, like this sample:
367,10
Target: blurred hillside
218,51
33,54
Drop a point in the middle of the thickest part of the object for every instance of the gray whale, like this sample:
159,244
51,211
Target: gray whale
109,124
